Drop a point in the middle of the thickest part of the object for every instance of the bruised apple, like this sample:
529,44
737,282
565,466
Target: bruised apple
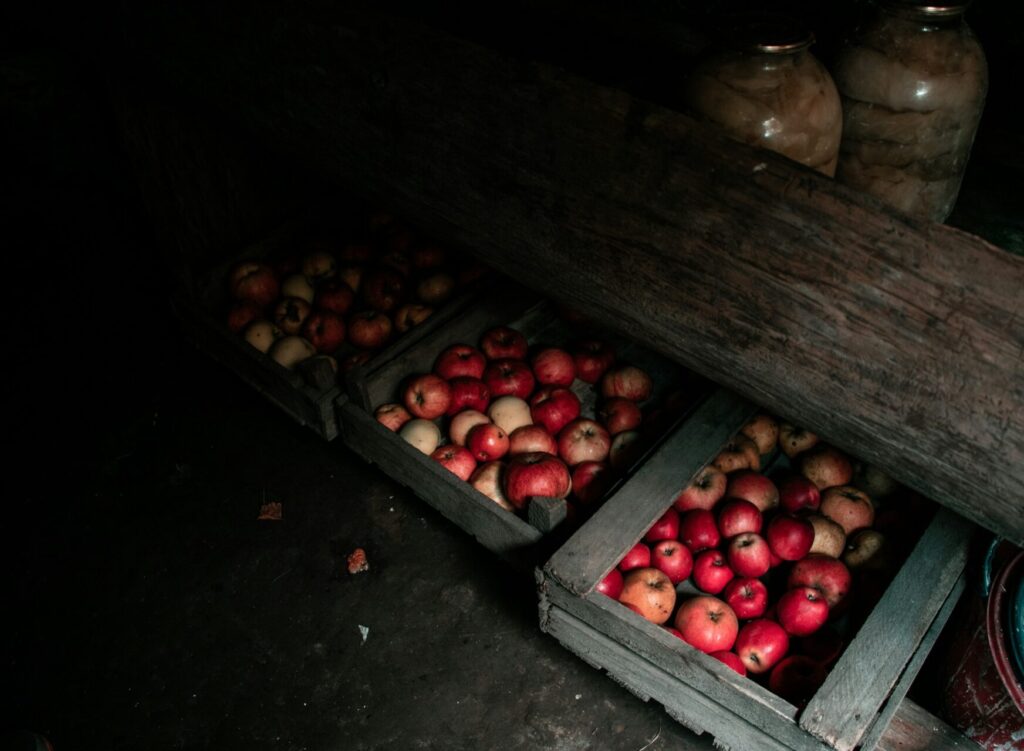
826,467
795,440
392,416
763,430
706,489
739,453
628,382
651,593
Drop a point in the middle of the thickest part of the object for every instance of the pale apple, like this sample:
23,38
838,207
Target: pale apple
422,435
509,413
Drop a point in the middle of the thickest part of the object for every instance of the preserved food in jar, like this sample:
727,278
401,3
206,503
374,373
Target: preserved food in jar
913,85
768,90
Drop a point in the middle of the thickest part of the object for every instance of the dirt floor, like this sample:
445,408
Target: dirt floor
156,611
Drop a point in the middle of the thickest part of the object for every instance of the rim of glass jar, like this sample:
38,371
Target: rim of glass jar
928,10
764,32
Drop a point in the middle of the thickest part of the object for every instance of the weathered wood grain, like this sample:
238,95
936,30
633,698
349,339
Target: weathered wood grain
916,729
738,698
898,340
857,686
596,548
874,735
646,679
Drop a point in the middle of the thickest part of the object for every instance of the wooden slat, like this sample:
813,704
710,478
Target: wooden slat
857,686
900,341
495,528
916,729
872,738
912,728
285,388
641,677
596,548
738,697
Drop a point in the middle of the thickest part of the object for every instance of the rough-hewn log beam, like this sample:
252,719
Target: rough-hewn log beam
900,341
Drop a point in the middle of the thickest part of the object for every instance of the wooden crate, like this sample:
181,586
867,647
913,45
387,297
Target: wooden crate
202,311
498,530
864,690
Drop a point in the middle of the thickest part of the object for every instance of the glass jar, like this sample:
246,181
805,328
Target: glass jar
913,84
766,89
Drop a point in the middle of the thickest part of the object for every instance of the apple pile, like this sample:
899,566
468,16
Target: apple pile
771,559
512,423
358,297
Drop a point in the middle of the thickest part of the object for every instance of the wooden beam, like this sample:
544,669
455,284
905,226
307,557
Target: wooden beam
900,341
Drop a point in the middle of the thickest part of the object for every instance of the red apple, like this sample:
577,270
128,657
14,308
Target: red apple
749,555
673,631
795,440
732,660
867,549
620,415
410,315
334,296
253,281
628,382
739,453
666,528
504,343
763,430
289,315
463,422
639,556
849,507
460,360
802,611
324,330
611,585
707,624
828,575
698,530
383,289
625,448
754,487
826,467
651,592
427,256
736,516
590,481
509,378
554,408
355,360
535,474
487,442
789,537
583,440
369,329
711,572
468,393
532,438
796,492
435,288
747,597
456,459
242,314
592,358
797,678
427,396
489,479
706,489
761,644
392,416
674,558
319,266
554,367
